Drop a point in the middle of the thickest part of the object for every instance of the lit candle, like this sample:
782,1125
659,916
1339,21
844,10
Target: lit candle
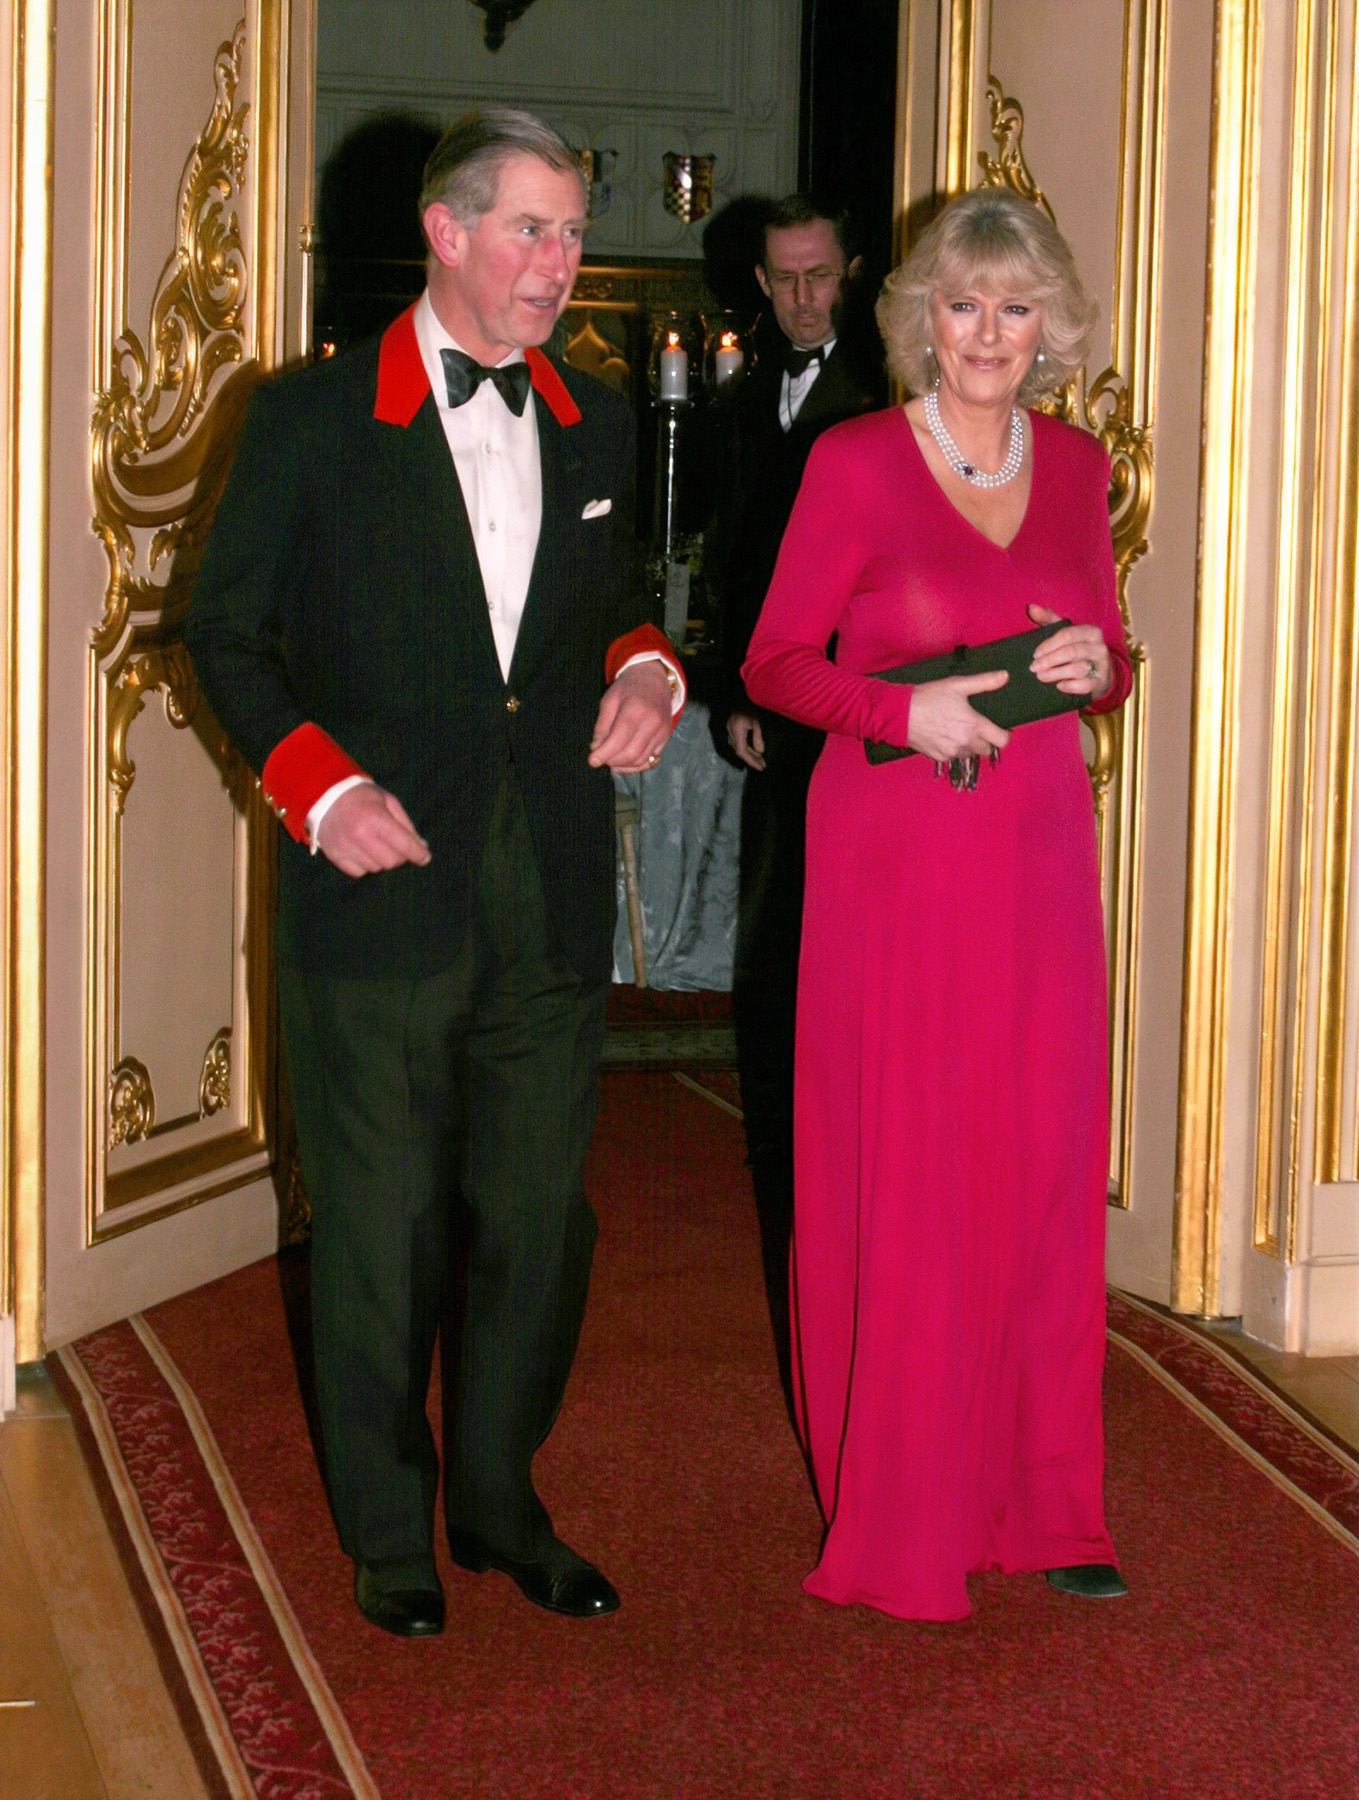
674,370
729,361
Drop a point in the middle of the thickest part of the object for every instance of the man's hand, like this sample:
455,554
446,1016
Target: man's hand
746,739
635,720
368,829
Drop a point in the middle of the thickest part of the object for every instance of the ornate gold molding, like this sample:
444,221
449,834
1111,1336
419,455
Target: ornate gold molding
146,452
1330,1162
1007,168
1289,852
23,1226
964,50
132,1103
1196,1280
165,669
214,1084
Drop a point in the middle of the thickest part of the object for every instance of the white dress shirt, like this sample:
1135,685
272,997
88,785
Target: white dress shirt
501,477
794,389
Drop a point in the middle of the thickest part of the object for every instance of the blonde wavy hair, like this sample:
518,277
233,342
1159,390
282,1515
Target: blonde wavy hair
991,240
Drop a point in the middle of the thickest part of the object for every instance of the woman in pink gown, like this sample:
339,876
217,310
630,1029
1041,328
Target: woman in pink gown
951,1090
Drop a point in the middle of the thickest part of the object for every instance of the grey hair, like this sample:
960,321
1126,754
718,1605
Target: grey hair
463,171
993,240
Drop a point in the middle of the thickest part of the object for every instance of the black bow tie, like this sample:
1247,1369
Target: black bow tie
464,377
797,362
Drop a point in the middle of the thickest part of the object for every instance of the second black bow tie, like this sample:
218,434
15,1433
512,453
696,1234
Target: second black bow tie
464,376
797,362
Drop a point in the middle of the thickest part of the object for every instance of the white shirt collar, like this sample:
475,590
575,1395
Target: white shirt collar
432,337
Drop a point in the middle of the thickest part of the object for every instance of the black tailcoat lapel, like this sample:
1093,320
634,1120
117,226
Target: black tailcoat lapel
427,497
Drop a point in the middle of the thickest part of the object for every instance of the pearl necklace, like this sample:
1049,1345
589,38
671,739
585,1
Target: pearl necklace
954,457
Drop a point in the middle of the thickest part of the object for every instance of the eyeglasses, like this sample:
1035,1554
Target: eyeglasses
783,281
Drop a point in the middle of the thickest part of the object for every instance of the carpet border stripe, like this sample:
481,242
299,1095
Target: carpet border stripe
1296,1413
1230,1436
328,1712
221,1744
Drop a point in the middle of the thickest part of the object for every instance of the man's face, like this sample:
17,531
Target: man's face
503,283
803,273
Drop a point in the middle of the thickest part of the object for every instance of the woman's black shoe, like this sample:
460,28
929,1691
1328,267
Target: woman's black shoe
1091,1581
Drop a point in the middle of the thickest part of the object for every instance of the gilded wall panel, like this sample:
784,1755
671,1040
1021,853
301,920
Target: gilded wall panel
176,907
179,1059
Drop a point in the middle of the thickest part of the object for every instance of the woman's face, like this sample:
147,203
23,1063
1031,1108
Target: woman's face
984,343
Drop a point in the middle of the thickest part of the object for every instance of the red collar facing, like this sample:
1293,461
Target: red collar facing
402,383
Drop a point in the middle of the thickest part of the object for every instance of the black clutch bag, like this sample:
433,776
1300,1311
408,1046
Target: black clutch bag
1023,699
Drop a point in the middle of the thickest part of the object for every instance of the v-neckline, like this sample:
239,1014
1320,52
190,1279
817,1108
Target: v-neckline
957,512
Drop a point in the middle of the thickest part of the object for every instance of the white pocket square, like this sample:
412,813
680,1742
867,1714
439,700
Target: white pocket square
596,509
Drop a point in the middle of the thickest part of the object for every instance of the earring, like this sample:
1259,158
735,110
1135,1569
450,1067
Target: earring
1041,356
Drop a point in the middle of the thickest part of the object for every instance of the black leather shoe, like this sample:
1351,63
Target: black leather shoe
562,1582
409,1612
1091,1581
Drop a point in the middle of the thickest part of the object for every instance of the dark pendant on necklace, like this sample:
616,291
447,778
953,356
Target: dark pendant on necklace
968,470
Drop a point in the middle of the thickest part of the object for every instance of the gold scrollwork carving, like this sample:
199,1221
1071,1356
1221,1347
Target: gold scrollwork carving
1008,167
132,1103
149,450
166,669
214,1084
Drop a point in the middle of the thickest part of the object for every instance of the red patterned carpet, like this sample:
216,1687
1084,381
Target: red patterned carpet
1230,1671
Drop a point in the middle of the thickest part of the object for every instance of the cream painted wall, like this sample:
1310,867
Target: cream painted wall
641,77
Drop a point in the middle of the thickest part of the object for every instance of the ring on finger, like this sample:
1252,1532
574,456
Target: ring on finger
1091,668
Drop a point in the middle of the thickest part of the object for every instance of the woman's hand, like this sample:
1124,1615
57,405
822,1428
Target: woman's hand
1075,659
943,725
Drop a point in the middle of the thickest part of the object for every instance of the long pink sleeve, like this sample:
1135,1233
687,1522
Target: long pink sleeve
787,668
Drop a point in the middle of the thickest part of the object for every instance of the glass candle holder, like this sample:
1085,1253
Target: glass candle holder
726,351
672,369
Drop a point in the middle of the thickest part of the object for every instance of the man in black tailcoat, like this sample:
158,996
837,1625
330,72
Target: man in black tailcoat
416,617
807,381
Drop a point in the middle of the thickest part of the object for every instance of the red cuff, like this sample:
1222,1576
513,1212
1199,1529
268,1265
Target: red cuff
302,767
646,640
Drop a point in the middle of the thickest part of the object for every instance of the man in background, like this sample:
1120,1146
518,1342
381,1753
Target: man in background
805,380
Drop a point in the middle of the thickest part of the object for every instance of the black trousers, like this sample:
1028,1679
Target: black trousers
467,1097
769,938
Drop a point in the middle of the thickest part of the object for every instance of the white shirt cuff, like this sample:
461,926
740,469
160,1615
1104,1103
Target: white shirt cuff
327,800
676,699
